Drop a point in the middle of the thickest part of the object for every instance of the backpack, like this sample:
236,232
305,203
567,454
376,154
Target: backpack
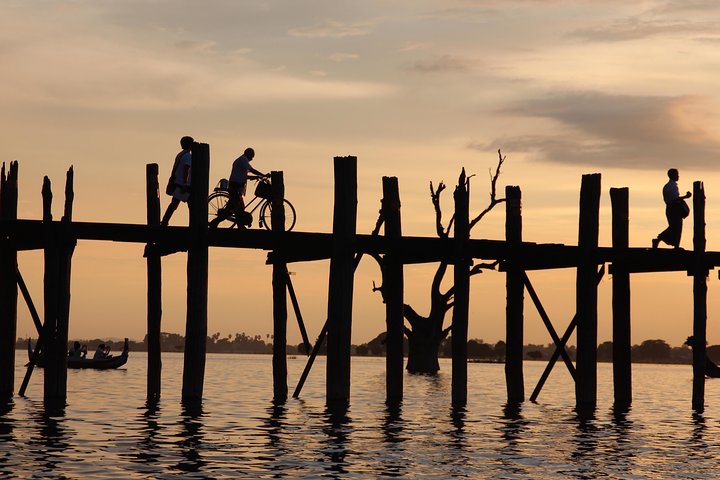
170,188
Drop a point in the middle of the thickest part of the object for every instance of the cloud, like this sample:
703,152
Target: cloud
442,63
331,29
342,57
635,29
618,130
196,46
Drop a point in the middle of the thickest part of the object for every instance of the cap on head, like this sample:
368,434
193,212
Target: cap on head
186,142
249,153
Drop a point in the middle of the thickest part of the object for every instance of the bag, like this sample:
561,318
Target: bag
683,208
263,190
170,186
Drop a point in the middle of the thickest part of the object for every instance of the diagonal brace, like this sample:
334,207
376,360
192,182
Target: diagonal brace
563,341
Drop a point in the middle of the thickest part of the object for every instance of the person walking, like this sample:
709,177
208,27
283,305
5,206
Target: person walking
675,210
180,180
237,184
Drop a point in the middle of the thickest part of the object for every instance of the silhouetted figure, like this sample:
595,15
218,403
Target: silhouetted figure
76,350
101,352
180,177
237,185
675,210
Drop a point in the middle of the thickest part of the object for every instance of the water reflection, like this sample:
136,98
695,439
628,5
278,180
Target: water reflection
622,449
337,428
697,438
149,449
191,437
6,436
274,426
393,427
512,427
53,436
586,443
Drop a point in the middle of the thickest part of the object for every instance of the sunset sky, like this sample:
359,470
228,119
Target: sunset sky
416,89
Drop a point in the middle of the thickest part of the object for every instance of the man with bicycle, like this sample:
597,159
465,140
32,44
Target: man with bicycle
237,185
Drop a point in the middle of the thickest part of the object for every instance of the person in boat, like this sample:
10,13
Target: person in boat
75,351
83,351
101,352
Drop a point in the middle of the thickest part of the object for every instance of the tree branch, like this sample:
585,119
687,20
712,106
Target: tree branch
435,197
493,191
479,267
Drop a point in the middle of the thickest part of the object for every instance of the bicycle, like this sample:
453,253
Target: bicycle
218,199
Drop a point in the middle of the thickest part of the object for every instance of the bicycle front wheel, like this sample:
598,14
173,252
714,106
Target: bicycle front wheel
217,202
266,213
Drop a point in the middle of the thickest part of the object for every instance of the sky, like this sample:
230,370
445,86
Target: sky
416,89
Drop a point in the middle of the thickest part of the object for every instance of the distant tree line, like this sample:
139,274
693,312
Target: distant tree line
649,351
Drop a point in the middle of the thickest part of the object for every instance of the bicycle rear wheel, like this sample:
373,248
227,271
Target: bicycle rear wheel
266,212
217,201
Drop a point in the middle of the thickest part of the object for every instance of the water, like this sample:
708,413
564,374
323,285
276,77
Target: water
106,431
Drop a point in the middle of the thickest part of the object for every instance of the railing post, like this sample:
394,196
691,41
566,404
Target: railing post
514,309
279,286
700,274
197,277
461,273
154,288
393,291
622,365
341,281
586,293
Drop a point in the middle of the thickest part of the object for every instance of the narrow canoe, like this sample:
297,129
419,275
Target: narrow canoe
96,363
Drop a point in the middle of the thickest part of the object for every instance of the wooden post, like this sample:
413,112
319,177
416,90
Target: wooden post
279,285
340,290
66,248
154,288
622,365
8,283
514,284
197,277
461,308
700,273
392,290
586,293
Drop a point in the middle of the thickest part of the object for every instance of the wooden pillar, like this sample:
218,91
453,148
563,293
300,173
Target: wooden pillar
59,248
393,291
8,283
622,365
154,288
340,290
197,277
586,293
462,293
279,285
700,273
514,308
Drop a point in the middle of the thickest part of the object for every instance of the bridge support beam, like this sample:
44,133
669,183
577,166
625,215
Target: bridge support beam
700,274
622,366
514,308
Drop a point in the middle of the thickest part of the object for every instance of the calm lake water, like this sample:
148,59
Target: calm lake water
106,431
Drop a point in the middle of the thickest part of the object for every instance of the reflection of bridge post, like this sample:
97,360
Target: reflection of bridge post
197,277
586,293
340,290
515,291
700,274
622,366
8,284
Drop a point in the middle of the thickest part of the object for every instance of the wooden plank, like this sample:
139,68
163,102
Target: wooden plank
154,288
392,291
622,364
586,293
340,290
279,288
700,275
197,278
461,308
515,299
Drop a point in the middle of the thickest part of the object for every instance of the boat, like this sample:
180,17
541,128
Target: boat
712,370
107,363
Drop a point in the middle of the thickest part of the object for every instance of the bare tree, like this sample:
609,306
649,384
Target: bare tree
426,333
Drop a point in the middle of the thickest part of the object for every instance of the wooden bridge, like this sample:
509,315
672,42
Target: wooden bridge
344,247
